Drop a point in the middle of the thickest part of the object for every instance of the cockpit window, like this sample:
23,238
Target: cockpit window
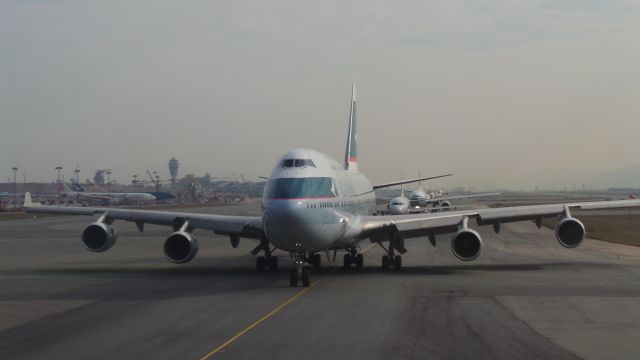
296,188
288,163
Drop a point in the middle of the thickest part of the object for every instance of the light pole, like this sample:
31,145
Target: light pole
108,172
15,193
59,168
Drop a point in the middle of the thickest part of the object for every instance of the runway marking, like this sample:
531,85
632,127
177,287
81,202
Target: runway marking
261,320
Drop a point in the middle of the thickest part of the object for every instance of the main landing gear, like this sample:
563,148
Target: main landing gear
391,259
353,258
301,272
268,261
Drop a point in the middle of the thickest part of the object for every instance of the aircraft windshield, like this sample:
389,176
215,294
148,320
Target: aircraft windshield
296,188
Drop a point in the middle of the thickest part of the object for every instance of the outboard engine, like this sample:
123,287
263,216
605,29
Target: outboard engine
570,232
466,244
180,247
99,237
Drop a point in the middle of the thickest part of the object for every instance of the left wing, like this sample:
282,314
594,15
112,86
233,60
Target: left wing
395,228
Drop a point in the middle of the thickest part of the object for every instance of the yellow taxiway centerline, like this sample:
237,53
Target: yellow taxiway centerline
270,314
262,319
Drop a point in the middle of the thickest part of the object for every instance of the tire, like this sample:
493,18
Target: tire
316,261
359,261
293,278
397,262
347,260
273,263
261,263
385,262
306,277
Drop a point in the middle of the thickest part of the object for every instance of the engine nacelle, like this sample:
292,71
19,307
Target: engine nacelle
180,247
466,244
570,232
99,237
445,205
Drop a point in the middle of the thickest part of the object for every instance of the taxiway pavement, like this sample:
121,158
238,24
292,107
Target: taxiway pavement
526,297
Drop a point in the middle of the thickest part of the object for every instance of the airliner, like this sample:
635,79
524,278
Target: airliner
111,197
312,204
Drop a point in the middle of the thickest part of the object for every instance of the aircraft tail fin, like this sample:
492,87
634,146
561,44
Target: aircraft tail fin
351,153
77,187
27,200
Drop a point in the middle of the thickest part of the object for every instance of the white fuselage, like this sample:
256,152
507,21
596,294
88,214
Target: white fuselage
311,203
399,205
115,197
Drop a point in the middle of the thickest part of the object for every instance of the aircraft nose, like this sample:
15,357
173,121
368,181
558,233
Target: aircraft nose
291,226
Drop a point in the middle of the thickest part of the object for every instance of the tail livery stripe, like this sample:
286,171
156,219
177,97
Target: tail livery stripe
351,156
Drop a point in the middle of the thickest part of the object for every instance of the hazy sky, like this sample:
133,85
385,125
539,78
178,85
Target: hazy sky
502,93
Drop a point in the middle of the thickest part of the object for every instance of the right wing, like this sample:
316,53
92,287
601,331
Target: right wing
459,197
406,181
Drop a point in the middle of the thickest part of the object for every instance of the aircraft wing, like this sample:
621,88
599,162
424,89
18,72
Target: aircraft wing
459,197
377,227
244,226
406,181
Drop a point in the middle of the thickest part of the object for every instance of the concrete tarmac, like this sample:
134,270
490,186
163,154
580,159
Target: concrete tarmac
526,297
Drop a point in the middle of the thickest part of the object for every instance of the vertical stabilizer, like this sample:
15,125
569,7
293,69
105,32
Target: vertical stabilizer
76,187
27,200
351,154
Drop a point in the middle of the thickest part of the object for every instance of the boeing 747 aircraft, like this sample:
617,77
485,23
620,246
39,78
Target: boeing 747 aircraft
312,204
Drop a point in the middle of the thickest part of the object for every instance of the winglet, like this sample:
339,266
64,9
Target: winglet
351,154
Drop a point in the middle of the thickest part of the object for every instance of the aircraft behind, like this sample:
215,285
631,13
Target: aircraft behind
110,197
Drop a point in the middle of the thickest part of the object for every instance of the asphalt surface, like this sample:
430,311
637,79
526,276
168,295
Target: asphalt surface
525,298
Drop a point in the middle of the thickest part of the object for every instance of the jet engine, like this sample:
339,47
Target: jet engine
180,247
570,232
99,237
445,205
466,244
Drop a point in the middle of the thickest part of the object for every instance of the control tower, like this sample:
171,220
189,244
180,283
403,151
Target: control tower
174,165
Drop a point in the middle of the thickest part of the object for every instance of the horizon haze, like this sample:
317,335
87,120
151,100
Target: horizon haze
504,94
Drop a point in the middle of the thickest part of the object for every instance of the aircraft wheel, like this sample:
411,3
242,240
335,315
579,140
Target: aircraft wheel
306,277
293,278
347,260
397,262
261,263
385,262
273,263
359,261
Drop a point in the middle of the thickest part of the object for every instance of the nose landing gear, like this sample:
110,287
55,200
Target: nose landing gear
301,272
